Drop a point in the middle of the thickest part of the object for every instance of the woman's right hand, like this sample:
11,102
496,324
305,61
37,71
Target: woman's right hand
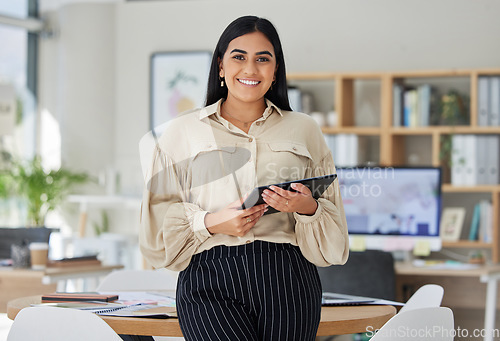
232,221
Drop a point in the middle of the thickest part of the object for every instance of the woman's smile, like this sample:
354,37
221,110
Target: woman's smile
248,82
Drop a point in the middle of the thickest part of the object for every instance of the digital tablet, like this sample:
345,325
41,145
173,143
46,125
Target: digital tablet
317,185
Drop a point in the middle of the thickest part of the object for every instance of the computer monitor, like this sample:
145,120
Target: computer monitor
392,208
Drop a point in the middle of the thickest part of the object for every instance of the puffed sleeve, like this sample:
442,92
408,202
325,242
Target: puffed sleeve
171,228
322,237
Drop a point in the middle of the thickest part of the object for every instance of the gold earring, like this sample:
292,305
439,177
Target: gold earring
221,83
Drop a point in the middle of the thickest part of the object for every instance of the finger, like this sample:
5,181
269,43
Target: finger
253,218
274,200
301,188
282,192
252,210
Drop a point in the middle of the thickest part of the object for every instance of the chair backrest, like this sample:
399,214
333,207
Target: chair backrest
369,273
59,324
427,296
139,280
435,324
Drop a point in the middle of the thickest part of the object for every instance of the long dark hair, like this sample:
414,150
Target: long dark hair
243,25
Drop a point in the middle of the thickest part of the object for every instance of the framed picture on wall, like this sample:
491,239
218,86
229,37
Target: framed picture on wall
452,221
178,82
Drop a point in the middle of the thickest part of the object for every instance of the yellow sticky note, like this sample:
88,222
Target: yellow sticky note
422,248
357,243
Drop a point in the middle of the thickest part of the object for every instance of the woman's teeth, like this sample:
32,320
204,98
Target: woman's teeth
246,82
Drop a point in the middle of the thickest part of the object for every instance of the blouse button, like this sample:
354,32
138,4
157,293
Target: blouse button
294,148
259,123
250,139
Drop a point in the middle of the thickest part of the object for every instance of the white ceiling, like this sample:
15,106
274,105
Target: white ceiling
50,5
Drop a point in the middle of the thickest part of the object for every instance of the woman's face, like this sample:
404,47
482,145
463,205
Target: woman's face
248,67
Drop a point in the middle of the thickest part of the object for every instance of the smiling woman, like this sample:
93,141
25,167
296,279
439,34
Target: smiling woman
245,275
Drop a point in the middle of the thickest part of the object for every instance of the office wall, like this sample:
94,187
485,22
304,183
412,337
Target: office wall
320,35
102,90
77,83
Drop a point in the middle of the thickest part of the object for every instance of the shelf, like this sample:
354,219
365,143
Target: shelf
332,75
444,130
395,143
352,130
467,244
448,188
311,76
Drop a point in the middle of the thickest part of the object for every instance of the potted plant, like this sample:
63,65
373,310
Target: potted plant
41,190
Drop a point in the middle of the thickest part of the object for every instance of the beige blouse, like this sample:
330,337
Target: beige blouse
202,163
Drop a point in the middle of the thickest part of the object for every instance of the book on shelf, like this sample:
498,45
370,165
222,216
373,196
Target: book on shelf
475,160
344,148
494,117
483,105
78,297
397,104
482,222
457,160
485,222
488,103
474,225
493,159
414,106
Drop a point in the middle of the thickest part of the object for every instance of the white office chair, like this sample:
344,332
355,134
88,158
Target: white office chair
59,324
435,324
427,296
141,280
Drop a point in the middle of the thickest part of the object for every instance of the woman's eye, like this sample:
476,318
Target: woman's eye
263,59
239,57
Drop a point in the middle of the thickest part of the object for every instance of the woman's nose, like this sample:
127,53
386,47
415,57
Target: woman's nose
250,68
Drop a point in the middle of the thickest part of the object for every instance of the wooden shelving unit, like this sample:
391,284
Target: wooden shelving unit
392,139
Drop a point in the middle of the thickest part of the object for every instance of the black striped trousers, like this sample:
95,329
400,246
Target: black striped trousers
257,291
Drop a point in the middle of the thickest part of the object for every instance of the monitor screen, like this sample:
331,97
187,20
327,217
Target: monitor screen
392,201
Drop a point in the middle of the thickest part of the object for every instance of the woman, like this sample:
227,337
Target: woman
244,275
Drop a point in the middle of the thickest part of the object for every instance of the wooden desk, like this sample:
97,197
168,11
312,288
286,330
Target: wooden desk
334,320
16,283
489,274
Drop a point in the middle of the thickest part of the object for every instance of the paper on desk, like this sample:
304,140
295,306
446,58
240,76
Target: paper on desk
161,298
444,265
142,310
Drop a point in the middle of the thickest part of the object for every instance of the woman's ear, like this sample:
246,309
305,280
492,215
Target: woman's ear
221,70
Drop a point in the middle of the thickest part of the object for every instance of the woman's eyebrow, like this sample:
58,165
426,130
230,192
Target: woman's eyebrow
258,53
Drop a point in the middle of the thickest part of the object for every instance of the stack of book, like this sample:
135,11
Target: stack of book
413,106
475,160
482,222
344,148
488,92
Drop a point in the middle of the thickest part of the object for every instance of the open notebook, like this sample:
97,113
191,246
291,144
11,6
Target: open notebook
116,309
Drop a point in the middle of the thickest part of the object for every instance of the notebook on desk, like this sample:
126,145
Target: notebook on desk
336,299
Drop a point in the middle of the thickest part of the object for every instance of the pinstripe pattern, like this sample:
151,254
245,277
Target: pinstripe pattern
258,291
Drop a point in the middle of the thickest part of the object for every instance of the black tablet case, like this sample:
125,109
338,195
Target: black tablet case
317,185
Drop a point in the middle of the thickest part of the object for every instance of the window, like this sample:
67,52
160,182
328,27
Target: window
17,82
18,118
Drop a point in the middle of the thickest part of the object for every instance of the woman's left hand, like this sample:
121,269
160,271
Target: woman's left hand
282,200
